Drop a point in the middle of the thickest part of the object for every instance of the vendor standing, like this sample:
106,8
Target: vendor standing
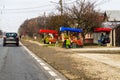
68,43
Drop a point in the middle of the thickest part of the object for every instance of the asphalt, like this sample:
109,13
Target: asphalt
17,64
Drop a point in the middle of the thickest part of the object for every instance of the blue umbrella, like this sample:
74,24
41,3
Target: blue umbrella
70,29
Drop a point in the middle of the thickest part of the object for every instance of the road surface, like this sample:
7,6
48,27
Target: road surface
17,64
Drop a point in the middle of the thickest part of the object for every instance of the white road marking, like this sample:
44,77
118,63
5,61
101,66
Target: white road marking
46,68
42,64
36,58
58,79
39,61
52,73
32,55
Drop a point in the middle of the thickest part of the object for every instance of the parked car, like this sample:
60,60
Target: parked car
10,38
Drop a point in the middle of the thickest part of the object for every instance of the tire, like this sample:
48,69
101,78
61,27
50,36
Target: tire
17,44
4,44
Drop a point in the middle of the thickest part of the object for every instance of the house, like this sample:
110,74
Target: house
112,16
112,20
91,38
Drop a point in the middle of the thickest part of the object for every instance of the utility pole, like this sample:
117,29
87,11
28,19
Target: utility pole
45,20
2,9
61,6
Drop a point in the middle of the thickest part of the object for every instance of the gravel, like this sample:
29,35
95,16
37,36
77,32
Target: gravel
74,66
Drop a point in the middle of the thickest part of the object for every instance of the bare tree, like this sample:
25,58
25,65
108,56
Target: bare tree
56,21
1,32
85,16
23,28
32,26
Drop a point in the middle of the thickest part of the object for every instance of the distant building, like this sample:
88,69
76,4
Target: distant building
91,38
112,16
112,20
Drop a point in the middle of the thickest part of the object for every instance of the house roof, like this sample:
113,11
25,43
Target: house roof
110,24
113,15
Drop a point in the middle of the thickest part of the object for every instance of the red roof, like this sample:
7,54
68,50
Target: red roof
48,31
102,29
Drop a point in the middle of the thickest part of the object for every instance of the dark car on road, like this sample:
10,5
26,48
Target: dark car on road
10,38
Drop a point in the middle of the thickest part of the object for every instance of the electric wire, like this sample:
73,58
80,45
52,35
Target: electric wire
27,8
31,9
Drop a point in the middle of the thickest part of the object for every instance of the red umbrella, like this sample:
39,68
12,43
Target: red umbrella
102,29
48,31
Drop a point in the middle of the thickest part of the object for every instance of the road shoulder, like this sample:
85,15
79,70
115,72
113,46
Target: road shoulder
73,66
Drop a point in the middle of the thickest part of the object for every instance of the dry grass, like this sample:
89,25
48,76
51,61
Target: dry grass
72,66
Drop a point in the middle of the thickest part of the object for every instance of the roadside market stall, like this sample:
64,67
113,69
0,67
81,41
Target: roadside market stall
102,35
71,37
50,36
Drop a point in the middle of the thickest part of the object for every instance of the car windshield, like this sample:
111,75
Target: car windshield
11,34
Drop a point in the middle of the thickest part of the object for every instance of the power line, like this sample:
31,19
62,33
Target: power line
30,11
27,8
71,2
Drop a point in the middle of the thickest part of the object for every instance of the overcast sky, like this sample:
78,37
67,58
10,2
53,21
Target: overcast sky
14,12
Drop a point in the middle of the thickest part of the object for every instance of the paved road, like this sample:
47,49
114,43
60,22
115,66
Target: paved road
16,64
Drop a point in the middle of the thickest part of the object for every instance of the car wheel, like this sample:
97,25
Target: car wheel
4,44
17,44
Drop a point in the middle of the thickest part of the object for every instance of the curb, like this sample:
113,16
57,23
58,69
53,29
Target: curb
83,50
